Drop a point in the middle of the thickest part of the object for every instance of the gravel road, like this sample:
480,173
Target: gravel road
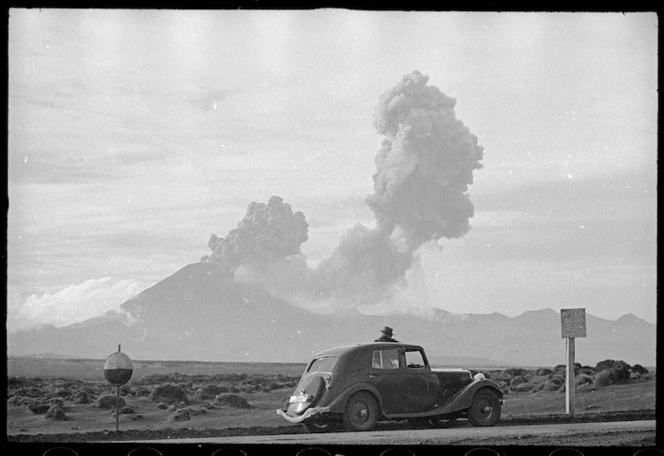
630,433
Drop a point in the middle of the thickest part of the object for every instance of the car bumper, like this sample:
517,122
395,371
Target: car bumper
307,414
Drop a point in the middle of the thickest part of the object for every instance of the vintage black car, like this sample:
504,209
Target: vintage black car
360,384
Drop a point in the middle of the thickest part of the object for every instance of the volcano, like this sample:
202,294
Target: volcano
201,313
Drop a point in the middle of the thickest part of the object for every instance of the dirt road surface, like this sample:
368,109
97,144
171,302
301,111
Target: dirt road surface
621,433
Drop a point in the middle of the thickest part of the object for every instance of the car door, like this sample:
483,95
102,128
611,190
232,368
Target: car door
386,375
420,387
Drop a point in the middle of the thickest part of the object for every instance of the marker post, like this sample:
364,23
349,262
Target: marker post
117,370
573,324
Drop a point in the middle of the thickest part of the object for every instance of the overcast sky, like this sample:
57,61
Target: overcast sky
135,135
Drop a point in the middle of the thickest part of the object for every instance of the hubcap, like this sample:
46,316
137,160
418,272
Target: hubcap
361,413
485,408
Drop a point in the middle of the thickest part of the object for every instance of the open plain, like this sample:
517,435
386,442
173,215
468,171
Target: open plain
188,399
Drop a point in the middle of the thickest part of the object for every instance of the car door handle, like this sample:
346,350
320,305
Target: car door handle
372,376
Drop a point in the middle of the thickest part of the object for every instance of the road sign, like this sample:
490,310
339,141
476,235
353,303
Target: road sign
117,370
573,322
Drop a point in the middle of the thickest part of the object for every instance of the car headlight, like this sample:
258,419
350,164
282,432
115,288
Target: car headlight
479,376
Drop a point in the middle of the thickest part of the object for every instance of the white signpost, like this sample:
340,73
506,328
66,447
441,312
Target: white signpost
573,324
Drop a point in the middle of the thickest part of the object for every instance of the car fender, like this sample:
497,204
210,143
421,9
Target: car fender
464,398
338,405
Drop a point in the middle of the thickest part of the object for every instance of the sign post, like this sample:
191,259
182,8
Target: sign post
573,324
117,370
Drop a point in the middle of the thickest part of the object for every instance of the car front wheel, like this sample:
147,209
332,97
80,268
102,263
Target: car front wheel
484,409
361,412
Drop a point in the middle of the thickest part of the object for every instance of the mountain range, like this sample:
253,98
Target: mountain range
200,313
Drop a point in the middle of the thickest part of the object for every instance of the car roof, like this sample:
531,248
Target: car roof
347,349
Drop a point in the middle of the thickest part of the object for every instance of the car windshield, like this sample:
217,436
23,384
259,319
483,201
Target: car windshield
322,364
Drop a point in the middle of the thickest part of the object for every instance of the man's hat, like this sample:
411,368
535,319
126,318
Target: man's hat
387,331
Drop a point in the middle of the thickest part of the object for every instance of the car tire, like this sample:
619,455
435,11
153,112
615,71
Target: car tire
484,410
361,412
317,427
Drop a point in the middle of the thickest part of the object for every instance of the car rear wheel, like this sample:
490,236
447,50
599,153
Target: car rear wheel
484,409
361,412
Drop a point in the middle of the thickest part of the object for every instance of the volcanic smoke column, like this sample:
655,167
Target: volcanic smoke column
423,170
425,164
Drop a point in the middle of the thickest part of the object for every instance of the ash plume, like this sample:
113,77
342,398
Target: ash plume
423,170
267,233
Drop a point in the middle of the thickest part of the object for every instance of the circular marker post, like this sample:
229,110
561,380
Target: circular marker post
117,370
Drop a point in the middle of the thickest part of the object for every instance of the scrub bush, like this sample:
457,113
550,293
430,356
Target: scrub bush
231,400
169,393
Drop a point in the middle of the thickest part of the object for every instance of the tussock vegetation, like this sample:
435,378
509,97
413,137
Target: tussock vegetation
209,399
605,373
169,393
110,401
231,400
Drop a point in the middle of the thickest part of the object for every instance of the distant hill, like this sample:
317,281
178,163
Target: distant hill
200,313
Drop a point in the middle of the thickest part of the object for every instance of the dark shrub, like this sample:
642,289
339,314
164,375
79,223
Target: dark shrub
162,406
126,390
143,392
169,393
639,369
561,369
513,372
544,372
621,367
82,398
550,386
109,401
554,383
16,401
197,411
231,400
604,378
39,408
127,410
180,415
619,371
56,401
56,412
271,386
522,387
519,379
211,391
63,392
583,381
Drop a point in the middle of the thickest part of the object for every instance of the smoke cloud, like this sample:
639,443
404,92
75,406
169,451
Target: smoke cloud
423,170
266,234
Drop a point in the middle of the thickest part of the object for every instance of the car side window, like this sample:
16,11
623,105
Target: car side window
414,359
385,359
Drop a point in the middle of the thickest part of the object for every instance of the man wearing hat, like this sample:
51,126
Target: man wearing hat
387,335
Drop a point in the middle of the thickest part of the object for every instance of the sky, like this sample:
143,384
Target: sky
134,135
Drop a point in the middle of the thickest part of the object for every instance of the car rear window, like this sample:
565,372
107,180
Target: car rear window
322,364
